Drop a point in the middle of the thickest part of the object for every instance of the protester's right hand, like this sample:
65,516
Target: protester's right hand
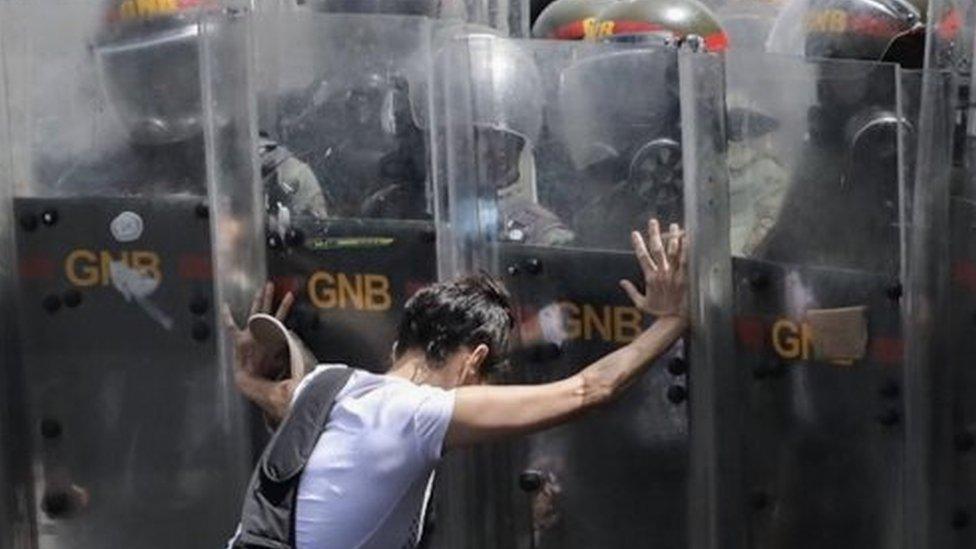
664,268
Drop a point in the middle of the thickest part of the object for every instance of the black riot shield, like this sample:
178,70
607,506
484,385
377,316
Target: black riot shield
336,92
819,271
947,480
126,414
958,508
547,155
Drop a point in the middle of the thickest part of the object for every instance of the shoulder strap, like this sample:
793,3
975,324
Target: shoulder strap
291,446
268,514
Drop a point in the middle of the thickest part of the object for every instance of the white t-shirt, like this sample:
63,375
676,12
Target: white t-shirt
369,475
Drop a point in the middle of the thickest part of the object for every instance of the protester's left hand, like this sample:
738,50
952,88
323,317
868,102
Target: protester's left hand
250,357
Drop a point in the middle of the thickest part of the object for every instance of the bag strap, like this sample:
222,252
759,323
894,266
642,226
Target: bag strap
292,445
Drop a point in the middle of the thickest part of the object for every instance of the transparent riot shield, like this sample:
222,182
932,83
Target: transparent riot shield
820,251
947,445
15,475
547,155
349,223
747,22
509,17
116,122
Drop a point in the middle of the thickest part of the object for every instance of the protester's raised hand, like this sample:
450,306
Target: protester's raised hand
663,263
250,357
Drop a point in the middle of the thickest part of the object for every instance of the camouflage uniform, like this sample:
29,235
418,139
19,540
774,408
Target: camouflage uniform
289,183
757,187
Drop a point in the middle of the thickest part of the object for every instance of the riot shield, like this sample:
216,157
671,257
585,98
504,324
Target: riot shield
946,482
16,528
336,96
747,22
117,121
820,264
547,154
510,18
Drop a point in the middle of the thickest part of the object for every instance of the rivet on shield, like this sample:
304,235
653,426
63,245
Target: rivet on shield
202,210
49,217
677,366
759,500
960,519
677,394
51,303
51,428
28,222
965,442
889,418
72,298
200,331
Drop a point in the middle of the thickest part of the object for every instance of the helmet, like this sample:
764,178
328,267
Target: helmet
569,19
148,58
630,140
617,19
355,132
506,86
437,9
603,120
870,30
676,19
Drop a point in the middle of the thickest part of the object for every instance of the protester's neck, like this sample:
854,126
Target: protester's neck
413,366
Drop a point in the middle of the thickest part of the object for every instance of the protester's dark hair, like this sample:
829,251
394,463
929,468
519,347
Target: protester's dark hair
443,317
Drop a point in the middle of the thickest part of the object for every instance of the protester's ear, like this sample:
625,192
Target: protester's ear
475,362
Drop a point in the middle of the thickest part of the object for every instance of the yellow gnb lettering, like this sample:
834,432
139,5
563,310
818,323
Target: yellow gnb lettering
147,263
359,291
791,340
589,28
81,268
607,323
593,29
86,268
131,9
626,324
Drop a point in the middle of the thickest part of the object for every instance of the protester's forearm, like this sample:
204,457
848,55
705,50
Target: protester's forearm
483,413
606,378
273,397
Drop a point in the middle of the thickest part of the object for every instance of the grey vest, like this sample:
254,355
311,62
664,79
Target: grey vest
268,517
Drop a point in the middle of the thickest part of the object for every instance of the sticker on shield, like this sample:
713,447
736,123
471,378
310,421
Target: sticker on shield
127,227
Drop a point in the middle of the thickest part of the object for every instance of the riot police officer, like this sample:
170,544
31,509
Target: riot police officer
634,170
823,418
853,131
140,50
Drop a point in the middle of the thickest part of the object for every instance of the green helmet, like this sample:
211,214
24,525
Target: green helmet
615,19
148,58
677,18
871,30
569,19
